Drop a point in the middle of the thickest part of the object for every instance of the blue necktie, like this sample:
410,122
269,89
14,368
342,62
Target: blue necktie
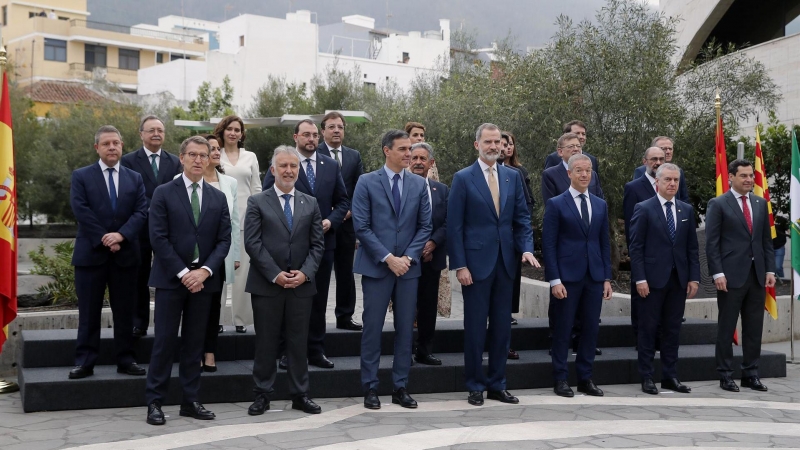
287,209
312,179
112,190
584,211
670,221
396,193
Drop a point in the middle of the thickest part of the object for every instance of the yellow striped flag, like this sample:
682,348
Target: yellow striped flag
761,189
8,218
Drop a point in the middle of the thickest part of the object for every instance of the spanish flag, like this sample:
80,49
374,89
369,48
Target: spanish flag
722,177
8,218
761,189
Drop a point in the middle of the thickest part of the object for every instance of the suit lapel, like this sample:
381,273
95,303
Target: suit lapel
100,182
597,211
205,203
562,173
662,218
404,194
503,185
754,212
304,180
299,210
388,189
737,210
275,204
570,201
679,228
480,184
144,164
183,196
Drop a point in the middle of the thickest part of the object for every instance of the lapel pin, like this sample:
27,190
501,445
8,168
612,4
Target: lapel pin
322,162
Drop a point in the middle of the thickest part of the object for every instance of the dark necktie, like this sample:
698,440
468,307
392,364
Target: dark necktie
746,211
196,213
154,165
670,221
584,211
287,209
112,190
396,193
336,155
312,179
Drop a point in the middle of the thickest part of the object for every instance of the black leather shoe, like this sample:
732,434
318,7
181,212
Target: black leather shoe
139,332
259,406
514,321
321,361
753,383
283,363
241,329
196,410
154,414
475,398
305,404
512,354
562,389
429,360
727,383
80,372
131,369
371,400
401,397
674,384
648,387
598,352
349,324
207,368
221,329
502,396
589,388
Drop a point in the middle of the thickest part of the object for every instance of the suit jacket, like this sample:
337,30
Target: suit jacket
92,208
174,234
523,174
439,193
476,235
729,244
571,252
271,245
352,167
329,192
555,181
653,254
635,191
553,159
683,188
380,230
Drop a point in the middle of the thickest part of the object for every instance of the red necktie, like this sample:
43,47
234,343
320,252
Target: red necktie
746,211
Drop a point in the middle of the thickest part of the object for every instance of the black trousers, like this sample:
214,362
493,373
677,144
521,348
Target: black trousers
343,257
319,305
141,314
90,285
427,303
517,285
212,327
748,301
660,314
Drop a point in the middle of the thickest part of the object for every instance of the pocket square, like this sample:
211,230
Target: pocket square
684,220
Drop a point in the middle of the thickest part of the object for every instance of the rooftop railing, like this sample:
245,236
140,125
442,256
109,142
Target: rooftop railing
155,34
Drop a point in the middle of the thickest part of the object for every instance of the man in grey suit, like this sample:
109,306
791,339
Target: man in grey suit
284,238
742,263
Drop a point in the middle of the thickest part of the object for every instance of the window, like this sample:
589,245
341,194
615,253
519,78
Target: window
241,41
94,56
159,58
128,59
405,57
173,57
5,15
369,85
55,50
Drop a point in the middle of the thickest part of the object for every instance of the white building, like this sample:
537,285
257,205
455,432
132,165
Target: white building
251,48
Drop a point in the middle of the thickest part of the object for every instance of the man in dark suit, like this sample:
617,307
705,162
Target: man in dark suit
110,208
665,143
555,179
637,191
392,219
283,235
577,252
320,177
579,128
190,229
666,269
352,168
434,255
488,223
156,166
742,262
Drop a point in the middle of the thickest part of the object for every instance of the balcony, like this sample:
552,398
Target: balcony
154,34
95,72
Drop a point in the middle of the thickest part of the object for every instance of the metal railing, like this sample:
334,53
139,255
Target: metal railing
81,67
114,28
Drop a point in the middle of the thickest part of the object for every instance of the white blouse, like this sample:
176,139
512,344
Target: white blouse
245,171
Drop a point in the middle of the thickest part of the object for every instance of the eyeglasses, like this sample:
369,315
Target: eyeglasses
194,156
310,135
334,127
655,159
154,131
573,147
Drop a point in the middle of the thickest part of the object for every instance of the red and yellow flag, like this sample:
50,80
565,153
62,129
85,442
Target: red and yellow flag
722,161
761,189
8,218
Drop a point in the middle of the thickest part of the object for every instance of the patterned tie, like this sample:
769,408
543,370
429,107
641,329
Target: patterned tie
584,211
746,211
336,156
154,165
196,213
112,190
494,190
287,209
312,179
670,221
396,193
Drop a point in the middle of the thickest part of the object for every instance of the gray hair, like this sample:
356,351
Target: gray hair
661,138
284,149
667,166
146,118
648,151
424,145
106,129
200,140
485,126
577,157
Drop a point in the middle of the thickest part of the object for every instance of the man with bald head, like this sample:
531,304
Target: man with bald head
667,144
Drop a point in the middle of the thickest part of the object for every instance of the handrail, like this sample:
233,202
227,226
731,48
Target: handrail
91,67
166,35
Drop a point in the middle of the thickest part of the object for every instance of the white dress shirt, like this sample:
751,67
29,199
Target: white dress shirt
188,184
430,197
304,164
105,168
148,153
282,200
333,155
651,180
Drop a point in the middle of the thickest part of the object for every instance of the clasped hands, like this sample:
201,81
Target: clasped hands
291,279
193,280
399,265
112,241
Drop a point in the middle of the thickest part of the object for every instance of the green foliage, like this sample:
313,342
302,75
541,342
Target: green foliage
210,102
59,266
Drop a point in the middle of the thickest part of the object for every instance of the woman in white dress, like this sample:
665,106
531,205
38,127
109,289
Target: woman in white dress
243,166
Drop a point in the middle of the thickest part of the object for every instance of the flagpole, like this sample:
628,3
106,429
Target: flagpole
5,386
